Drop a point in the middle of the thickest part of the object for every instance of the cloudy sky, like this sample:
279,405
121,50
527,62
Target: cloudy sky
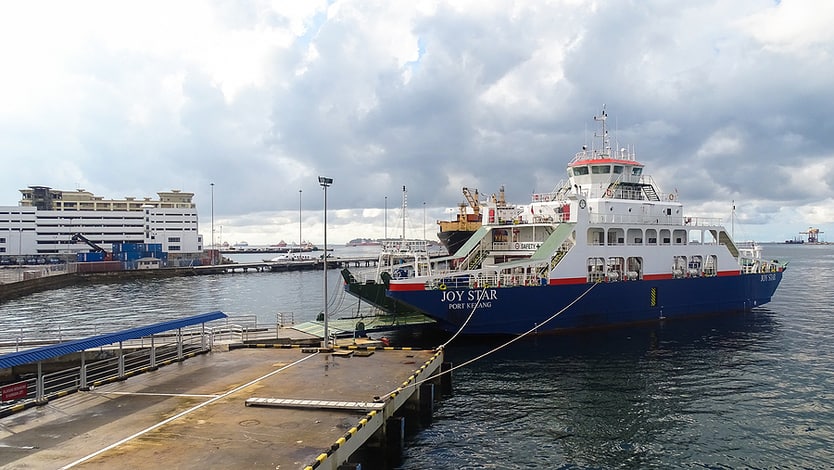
724,101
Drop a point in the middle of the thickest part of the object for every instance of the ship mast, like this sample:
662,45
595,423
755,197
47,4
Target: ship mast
604,137
405,204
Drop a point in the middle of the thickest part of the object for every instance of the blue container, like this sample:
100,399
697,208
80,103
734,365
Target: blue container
91,256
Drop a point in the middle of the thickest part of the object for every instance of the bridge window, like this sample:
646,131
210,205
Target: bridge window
651,235
618,169
580,170
635,236
680,237
595,236
601,169
616,236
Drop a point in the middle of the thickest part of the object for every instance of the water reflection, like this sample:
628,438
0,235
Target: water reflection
627,398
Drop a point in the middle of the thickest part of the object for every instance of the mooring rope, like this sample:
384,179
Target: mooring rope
491,351
471,314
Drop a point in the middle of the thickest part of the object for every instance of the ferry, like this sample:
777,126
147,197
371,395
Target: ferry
606,247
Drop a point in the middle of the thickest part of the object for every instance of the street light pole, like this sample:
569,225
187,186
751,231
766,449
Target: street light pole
299,221
212,224
325,182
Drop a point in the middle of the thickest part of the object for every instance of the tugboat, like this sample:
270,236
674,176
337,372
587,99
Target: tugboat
607,247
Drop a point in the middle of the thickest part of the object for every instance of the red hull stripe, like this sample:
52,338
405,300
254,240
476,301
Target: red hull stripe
406,287
567,280
598,161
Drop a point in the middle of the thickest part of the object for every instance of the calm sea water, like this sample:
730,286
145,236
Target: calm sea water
747,391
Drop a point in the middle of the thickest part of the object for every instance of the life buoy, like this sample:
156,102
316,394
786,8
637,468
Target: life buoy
442,286
535,197
671,197
609,193
547,199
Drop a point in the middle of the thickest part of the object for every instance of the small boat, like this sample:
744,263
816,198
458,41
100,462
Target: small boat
398,259
608,246
288,257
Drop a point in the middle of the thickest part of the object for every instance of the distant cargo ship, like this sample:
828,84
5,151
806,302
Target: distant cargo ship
454,233
363,242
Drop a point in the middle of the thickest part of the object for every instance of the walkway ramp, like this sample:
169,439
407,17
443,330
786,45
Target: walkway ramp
553,242
473,240
346,327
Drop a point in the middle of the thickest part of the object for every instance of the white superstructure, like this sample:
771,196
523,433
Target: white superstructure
46,219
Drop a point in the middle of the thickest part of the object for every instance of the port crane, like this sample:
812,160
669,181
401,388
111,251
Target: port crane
813,234
93,247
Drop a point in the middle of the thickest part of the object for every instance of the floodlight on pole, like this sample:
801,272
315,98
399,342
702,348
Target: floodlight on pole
212,224
325,182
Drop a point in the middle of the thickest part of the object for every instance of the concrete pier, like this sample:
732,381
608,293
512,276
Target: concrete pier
194,414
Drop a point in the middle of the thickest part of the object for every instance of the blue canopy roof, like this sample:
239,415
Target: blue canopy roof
56,350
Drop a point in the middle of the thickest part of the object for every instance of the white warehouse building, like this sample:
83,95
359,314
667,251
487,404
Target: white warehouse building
46,219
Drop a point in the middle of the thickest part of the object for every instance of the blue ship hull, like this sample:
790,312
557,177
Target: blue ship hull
516,310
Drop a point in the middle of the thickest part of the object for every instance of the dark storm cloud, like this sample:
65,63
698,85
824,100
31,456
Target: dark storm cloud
724,101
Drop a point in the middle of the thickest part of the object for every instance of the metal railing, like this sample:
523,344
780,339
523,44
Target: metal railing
127,359
284,319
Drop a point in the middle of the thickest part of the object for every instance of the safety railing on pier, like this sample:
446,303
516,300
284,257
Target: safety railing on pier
110,364
232,328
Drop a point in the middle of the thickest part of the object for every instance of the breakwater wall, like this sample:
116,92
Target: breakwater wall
13,290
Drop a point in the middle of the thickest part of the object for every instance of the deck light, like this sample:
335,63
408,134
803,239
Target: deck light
325,182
